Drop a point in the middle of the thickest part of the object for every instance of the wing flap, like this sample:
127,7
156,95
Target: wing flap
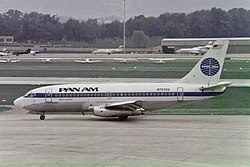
130,105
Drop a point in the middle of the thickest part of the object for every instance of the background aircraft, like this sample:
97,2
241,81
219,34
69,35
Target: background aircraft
4,52
195,50
131,99
122,60
34,52
17,53
161,60
47,59
87,61
108,51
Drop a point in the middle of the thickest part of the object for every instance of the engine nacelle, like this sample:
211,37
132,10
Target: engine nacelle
103,112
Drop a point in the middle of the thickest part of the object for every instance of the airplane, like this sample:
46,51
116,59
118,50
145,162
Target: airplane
9,61
34,52
108,51
47,60
87,61
17,53
122,60
4,52
161,60
132,99
195,50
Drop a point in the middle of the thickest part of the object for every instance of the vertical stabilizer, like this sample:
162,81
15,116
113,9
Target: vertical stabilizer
208,69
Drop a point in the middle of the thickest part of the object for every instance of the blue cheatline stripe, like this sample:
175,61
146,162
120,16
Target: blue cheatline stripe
124,94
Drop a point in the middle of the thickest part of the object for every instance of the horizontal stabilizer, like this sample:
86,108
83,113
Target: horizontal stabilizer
216,86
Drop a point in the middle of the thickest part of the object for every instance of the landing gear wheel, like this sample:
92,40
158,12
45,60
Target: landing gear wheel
42,117
123,118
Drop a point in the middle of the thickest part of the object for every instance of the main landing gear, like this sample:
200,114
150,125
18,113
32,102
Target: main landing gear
123,118
42,116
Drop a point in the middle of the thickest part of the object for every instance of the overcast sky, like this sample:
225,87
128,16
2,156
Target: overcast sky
83,9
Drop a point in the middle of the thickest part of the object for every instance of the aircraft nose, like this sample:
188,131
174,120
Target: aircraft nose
19,102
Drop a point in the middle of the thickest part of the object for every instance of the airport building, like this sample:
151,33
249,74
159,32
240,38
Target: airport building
6,39
236,45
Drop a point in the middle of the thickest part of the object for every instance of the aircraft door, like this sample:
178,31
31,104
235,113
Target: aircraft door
180,94
48,95
109,95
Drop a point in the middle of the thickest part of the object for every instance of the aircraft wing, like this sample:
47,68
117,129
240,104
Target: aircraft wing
216,86
129,105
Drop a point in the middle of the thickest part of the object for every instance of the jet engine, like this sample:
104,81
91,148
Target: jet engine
103,112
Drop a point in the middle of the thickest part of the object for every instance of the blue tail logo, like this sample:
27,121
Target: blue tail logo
210,66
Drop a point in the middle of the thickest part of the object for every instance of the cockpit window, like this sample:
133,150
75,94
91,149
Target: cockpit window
30,94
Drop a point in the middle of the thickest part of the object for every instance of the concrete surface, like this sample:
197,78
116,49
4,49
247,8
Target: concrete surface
149,140
70,56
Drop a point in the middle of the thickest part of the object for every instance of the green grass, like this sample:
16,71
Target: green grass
236,100
3,108
233,111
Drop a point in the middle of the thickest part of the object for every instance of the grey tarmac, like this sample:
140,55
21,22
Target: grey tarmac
148,140
72,56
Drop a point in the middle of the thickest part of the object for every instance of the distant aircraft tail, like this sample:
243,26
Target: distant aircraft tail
121,47
208,70
4,50
27,51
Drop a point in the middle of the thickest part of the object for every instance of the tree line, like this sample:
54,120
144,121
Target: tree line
43,28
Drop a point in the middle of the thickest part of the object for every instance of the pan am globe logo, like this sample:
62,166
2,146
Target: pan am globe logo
210,66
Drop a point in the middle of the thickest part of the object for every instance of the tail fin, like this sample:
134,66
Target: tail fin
208,69
27,51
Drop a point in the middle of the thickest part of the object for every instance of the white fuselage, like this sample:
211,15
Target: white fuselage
195,50
80,97
4,54
107,51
